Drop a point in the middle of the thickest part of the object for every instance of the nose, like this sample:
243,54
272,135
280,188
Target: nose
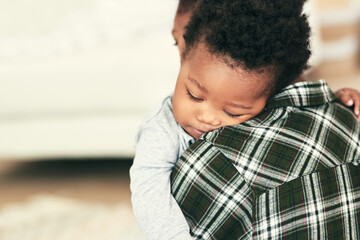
209,118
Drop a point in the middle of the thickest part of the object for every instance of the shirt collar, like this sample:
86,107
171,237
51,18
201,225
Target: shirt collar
303,94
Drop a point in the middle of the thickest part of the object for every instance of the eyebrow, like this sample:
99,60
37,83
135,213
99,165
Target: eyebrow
197,84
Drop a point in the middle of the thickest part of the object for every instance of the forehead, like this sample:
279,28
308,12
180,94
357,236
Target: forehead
231,83
181,20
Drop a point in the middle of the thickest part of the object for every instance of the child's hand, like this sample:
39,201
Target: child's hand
350,97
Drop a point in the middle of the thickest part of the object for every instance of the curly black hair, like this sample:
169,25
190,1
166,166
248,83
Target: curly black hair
254,34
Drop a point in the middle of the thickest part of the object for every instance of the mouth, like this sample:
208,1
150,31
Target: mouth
196,132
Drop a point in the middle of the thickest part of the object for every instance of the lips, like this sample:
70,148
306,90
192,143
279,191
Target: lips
196,133
199,132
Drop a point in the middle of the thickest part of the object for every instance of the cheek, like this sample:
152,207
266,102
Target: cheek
180,108
175,107
259,107
181,46
232,121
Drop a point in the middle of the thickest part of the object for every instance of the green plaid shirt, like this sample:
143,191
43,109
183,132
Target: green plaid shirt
290,173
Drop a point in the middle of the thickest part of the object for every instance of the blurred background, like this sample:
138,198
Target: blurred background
76,78
78,75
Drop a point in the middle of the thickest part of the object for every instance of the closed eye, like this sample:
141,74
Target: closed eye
192,97
233,115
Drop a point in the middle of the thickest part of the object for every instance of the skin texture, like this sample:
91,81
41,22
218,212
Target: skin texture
209,94
351,98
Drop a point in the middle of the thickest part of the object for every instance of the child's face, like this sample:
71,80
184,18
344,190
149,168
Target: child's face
209,94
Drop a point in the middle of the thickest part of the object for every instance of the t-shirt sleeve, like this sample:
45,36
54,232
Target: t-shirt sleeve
156,211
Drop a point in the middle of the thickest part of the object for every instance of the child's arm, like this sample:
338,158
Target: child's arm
156,211
350,97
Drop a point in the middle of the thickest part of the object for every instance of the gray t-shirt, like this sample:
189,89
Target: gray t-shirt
159,144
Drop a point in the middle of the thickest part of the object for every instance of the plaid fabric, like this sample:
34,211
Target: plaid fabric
289,173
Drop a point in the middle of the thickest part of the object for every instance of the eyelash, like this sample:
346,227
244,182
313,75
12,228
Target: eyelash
200,100
176,43
192,97
233,115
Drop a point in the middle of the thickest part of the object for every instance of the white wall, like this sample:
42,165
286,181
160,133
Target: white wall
76,76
